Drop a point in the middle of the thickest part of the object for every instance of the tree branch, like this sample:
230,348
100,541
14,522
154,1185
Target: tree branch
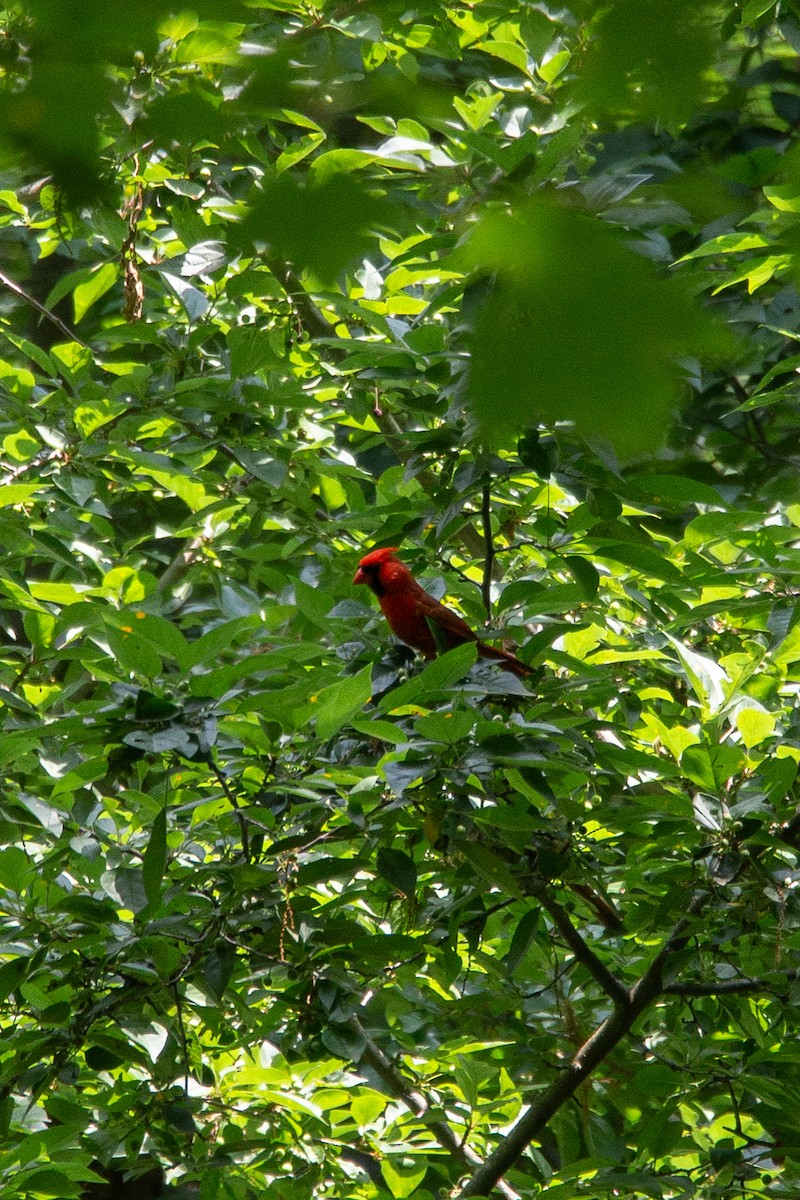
583,953
179,566
40,308
416,1103
603,909
650,985
597,1047
235,805
488,548
733,987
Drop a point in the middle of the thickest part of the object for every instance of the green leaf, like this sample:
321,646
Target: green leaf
509,52
126,885
675,489
524,934
438,676
450,728
218,968
12,974
336,705
398,869
785,198
656,1079
403,1176
754,725
728,243
93,415
322,226
585,574
164,636
712,767
479,112
17,493
89,292
550,68
649,562
706,677
778,777
250,350
208,648
180,484
384,730
133,653
15,869
99,1058
491,868
154,862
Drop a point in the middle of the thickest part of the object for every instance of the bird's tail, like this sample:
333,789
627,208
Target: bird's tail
509,661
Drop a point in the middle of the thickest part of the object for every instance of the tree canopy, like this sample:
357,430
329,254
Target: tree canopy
285,913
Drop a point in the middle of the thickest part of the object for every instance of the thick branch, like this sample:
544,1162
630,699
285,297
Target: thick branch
416,1103
593,1052
583,953
650,985
603,909
179,566
531,1123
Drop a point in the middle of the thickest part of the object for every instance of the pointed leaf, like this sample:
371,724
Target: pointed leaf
154,863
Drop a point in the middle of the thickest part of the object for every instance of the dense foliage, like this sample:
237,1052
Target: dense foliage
286,913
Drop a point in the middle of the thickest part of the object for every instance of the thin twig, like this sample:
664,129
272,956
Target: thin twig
182,1031
40,308
488,548
733,987
236,807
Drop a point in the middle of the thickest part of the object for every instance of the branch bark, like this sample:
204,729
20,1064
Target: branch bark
734,987
417,1103
488,548
69,334
593,1052
613,987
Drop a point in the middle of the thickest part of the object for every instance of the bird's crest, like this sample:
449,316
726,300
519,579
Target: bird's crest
376,557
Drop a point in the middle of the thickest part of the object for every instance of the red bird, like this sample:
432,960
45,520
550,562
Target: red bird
412,612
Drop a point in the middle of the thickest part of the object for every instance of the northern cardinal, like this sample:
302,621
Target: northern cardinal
416,617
